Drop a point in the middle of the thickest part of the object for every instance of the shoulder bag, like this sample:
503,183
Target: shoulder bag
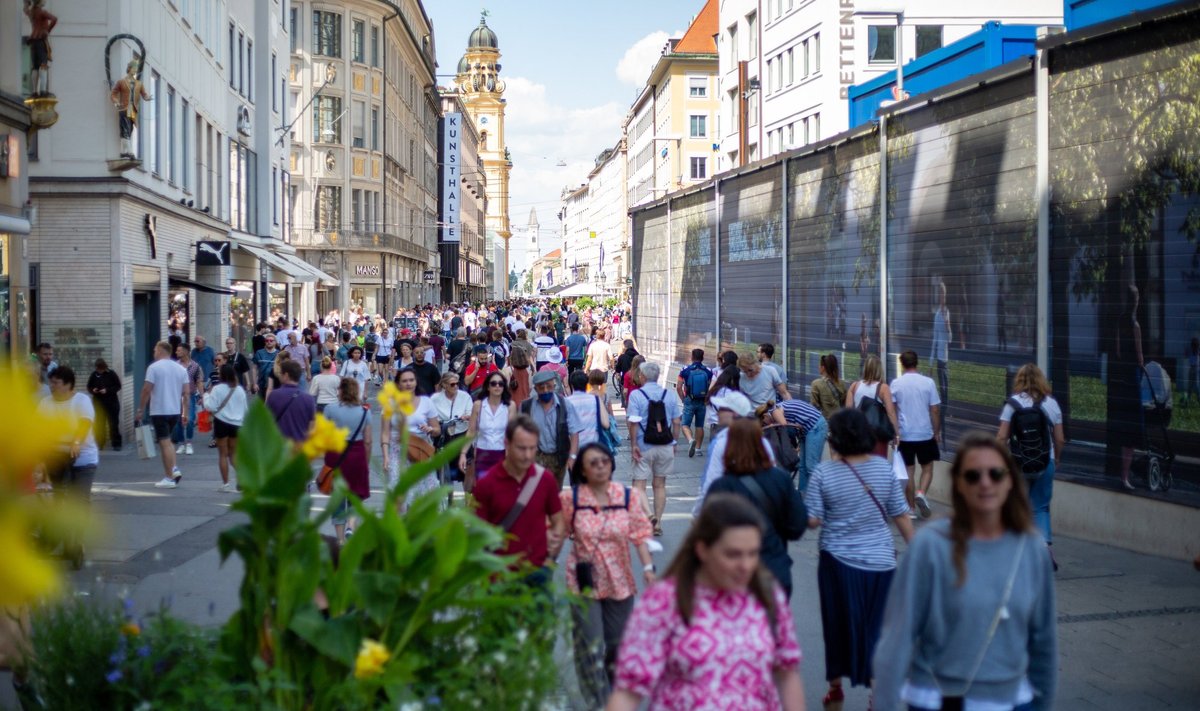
607,435
523,498
325,476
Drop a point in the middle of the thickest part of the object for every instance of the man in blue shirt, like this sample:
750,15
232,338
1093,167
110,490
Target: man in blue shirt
576,349
204,356
654,459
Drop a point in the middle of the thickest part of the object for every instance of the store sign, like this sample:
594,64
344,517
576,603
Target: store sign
367,270
212,254
451,177
429,275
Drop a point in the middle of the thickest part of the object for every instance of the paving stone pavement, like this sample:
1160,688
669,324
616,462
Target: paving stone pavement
1129,624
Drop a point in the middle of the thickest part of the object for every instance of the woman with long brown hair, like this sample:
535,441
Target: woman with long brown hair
828,391
717,597
970,618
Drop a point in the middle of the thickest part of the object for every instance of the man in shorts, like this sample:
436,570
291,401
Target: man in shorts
383,353
165,396
917,404
692,388
652,461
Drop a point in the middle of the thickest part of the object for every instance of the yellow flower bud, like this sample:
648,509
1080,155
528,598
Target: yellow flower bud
372,656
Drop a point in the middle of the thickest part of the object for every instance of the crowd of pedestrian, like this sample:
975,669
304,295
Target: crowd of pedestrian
963,619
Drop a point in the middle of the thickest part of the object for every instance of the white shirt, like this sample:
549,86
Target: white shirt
914,394
386,339
169,379
470,319
448,409
1049,406
714,468
360,371
490,435
234,411
423,412
598,355
544,345
79,407
324,388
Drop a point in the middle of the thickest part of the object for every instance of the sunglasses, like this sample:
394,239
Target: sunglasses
496,384
973,476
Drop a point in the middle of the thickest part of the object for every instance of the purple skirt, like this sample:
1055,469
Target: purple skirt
356,469
485,459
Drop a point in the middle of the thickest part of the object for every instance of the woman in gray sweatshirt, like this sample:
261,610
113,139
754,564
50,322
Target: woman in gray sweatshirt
970,620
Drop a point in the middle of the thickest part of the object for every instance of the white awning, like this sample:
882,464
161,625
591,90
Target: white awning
582,288
278,262
317,274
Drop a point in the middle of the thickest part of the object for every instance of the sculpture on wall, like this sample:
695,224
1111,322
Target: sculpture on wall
41,22
125,96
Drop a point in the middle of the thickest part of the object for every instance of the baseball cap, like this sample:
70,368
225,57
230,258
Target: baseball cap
544,376
733,401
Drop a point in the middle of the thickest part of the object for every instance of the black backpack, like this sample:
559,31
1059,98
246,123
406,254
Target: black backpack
657,428
877,417
1029,437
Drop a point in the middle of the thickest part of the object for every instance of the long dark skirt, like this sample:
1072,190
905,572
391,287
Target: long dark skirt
852,604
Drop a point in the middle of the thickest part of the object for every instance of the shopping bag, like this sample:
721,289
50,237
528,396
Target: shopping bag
204,422
147,444
898,466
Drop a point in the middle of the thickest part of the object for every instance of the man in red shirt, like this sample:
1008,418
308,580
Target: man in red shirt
496,495
478,371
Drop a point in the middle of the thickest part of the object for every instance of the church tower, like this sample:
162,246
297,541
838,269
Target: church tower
482,90
533,234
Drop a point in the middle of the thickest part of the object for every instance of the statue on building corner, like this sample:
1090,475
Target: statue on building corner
41,22
125,95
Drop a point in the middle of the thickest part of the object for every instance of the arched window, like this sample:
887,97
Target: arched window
483,140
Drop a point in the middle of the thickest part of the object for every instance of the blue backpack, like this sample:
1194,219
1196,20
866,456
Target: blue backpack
696,379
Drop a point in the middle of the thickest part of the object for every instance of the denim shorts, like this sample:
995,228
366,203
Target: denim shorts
694,412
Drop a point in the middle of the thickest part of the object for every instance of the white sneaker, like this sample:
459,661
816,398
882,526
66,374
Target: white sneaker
179,449
166,483
176,475
187,449
227,488
923,506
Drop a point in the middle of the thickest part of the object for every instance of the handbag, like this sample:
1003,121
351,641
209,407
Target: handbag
204,421
607,435
325,476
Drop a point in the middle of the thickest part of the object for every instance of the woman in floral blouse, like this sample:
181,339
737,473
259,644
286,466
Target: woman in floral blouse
604,517
716,633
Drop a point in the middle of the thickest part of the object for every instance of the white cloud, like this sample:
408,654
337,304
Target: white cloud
638,60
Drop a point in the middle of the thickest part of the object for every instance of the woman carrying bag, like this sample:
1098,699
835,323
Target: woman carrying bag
828,392
970,620
227,403
454,412
350,414
603,518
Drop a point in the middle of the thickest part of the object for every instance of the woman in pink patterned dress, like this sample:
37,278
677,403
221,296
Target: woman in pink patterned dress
604,517
716,633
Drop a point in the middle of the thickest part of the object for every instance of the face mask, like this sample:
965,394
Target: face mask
545,397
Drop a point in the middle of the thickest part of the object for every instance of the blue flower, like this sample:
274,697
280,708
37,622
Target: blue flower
128,604
114,676
143,651
117,657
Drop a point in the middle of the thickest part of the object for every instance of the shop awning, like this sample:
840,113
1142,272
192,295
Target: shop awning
278,262
317,274
582,288
181,283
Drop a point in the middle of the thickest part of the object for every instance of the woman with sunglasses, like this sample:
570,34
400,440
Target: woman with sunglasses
490,415
853,499
970,622
454,411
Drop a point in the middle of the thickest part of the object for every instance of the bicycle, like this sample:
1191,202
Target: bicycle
618,381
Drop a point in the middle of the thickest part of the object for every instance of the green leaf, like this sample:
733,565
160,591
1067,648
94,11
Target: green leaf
263,447
379,593
337,638
450,547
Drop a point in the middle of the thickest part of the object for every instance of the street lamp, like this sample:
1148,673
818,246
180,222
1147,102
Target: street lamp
872,9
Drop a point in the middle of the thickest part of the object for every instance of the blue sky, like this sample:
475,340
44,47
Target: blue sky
572,70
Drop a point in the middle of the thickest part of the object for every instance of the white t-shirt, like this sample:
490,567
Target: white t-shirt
470,319
386,339
544,345
1049,406
79,407
914,394
169,380
598,355
360,371
424,412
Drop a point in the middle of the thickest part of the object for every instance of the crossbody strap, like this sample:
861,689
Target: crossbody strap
522,499
870,493
224,402
759,495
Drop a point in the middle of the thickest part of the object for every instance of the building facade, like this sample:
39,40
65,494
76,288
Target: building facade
670,131
464,188
482,90
595,225
786,66
182,223
364,152
14,183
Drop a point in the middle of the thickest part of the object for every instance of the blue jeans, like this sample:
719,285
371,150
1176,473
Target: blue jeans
814,443
181,435
1040,491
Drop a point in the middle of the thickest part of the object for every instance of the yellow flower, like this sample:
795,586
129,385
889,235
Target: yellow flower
392,400
27,436
371,658
25,574
130,629
324,437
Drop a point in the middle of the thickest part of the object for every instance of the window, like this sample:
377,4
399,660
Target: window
274,72
249,93
358,31
769,84
699,168
816,130
243,190
733,42
201,163
881,44
733,107
169,156
791,135
233,78
151,115
356,208
327,119
816,52
374,128
185,145
791,68
358,125
294,28
697,87
698,126
241,71
289,202
291,111
374,46
327,34
274,195
752,34
327,214
778,72
753,119
929,38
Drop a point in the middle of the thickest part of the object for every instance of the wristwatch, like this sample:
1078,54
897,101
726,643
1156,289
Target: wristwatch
649,568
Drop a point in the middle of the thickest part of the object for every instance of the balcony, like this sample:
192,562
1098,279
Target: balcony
366,241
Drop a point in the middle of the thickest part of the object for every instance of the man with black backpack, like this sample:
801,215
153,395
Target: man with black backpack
653,416
692,388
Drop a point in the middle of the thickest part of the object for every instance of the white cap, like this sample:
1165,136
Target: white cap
733,401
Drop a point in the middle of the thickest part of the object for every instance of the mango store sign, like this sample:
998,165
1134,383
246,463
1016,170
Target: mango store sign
451,176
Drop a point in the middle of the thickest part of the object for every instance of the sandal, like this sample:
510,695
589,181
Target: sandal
658,530
834,698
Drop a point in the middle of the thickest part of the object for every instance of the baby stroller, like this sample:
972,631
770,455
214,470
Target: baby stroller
1157,402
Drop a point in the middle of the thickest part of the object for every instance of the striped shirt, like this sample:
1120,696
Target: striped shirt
852,528
800,413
